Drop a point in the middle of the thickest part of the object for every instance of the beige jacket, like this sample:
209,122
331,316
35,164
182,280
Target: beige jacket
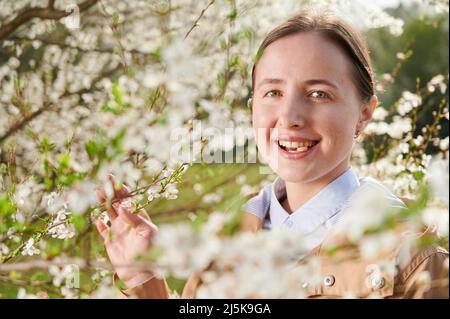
345,275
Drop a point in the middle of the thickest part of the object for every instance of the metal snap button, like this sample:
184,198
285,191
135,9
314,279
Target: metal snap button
329,280
304,284
377,282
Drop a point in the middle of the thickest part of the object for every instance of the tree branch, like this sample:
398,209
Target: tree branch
49,13
63,45
198,18
58,261
51,4
24,121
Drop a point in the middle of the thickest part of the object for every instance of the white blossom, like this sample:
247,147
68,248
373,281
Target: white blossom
437,81
379,114
61,228
82,196
438,219
29,248
170,192
408,102
198,188
439,179
154,191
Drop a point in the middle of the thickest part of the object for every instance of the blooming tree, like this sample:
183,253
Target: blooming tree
92,88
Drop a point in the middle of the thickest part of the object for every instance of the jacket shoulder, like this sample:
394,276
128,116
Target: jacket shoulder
425,276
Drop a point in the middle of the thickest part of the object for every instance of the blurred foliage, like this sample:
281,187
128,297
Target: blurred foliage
427,39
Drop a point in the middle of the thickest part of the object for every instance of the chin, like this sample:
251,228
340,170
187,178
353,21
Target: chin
293,175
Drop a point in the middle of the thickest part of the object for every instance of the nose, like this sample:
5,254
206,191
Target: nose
292,113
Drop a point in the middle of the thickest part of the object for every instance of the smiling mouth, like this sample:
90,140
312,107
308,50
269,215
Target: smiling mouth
296,147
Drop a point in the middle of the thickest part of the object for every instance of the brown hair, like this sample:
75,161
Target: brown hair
336,30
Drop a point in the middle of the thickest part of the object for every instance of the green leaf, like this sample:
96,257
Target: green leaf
234,224
64,161
79,221
200,220
117,93
96,149
221,80
46,144
418,176
6,206
233,61
248,33
233,14
40,276
116,18
117,140
3,168
14,275
156,55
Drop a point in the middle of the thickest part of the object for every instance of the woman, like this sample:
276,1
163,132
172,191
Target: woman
313,94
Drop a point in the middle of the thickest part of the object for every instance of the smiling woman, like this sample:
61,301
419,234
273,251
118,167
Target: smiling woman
314,93
313,85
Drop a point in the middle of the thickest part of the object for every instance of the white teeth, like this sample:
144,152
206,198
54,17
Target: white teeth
297,145
294,147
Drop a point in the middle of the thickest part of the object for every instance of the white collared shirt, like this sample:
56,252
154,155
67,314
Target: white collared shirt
315,218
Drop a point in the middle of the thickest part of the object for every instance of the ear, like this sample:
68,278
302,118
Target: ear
366,113
250,102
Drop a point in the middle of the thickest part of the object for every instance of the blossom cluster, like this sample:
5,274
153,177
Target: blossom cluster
81,101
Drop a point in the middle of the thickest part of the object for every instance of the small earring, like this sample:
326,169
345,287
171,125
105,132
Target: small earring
249,103
356,134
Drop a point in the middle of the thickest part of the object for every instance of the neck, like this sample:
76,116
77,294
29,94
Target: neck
297,194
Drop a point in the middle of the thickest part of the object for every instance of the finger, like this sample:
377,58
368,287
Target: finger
145,231
102,229
101,195
142,213
147,220
104,200
127,214
121,192
112,213
141,224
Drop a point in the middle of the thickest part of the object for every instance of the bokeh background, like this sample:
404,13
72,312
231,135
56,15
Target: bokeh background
89,88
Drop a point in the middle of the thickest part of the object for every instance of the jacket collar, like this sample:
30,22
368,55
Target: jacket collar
319,210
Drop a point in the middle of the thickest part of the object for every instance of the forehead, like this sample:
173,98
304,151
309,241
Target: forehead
304,56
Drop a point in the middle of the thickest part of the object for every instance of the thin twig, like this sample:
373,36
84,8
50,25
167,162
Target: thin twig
24,121
198,18
48,13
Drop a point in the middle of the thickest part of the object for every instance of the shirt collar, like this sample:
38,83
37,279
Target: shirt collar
317,210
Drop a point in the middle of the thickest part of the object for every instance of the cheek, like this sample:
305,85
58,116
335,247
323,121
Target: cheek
336,128
262,117
262,121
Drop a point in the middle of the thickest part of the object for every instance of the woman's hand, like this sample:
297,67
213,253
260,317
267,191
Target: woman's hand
128,237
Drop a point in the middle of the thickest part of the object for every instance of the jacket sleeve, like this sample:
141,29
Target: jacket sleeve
154,288
426,276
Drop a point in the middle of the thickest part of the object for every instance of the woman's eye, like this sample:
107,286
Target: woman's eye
272,93
319,95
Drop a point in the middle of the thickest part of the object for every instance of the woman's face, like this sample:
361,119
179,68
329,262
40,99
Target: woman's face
306,108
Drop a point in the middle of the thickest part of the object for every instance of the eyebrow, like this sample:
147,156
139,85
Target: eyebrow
308,82
270,81
321,81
